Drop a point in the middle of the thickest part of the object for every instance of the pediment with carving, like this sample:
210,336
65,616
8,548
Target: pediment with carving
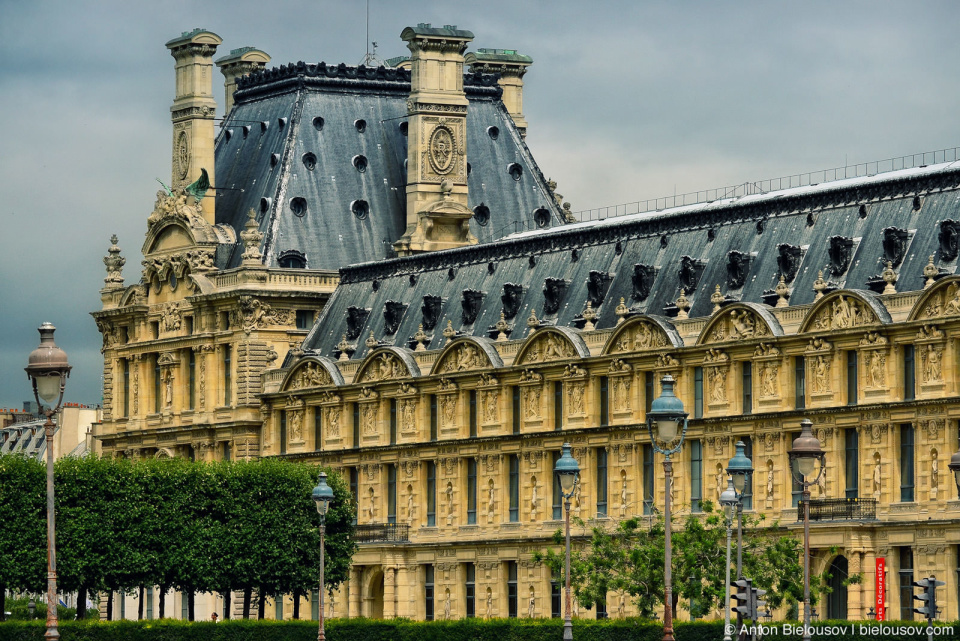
552,344
465,354
738,322
940,300
389,363
845,309
641,333
312,372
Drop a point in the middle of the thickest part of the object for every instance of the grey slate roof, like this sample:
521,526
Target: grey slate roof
922,202
293,133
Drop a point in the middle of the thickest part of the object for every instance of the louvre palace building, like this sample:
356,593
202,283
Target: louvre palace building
382,280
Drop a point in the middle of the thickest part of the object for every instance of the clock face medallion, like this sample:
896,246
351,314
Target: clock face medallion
183,155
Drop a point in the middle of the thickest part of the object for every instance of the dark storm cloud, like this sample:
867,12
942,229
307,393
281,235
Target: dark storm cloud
626,100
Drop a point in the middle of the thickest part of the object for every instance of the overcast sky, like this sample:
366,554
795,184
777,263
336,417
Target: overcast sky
626,100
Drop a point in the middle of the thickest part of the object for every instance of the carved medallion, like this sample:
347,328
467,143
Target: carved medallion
841,251
442,149
470,304
392,315
949,239
738,265
895,245
788,260
642,278
553,290
183,155
690,271
512,294
431,311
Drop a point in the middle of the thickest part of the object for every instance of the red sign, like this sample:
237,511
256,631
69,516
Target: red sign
881,590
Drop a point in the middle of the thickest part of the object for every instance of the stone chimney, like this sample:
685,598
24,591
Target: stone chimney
437,212
511,66
239,63
193,112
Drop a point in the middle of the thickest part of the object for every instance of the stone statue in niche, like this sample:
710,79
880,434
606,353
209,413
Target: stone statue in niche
333,421
621,393
788,260
296,425
721,485
932,364
356,318
446,605
718,384
167,379
877,368
511,297
533,603
470,305
534,498
841,251
372,505
408,410
532,402
949,238
821,375
553,291
368,417
738,266
392,315
877,478
411,508
489,603
621,607
642,280
430,311
491,501
448,409
895,245
689,274
576,500
450,506
597,284
623,493
768,378
934,475
769,502
490,399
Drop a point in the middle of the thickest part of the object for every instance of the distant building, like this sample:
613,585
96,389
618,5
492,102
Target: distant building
23,433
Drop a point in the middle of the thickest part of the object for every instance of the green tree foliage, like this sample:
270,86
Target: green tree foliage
629,560
23,537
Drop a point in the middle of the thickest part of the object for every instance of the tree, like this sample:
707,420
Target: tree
23,522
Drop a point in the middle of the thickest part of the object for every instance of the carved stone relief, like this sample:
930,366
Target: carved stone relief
311,375
644,335
547,347
465,356
553,291
844,312
386,366
642,281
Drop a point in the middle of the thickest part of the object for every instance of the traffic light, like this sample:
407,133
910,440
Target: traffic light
744,597
927,598
756,604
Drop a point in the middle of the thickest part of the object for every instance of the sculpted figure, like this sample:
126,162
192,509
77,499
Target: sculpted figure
534,499
820,375
934,475
876,476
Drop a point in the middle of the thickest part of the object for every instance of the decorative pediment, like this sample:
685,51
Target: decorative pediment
252,313
845,309
641,333
938,301
552,344
388,363
738,322
312,372
467,353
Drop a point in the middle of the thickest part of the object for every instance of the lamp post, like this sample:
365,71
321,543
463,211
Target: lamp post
954,466
47,369
728,500
804,456
323,497
663,422
31,607
740,468
568,474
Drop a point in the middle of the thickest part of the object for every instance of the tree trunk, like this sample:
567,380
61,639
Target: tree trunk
247,595
3,602
110,605
190,604
261,603
140,604
296,604
82,603
226,604
162,602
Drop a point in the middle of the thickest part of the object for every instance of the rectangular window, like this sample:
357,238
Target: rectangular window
747,383
356,424
470,586
852,377
512,589
224,320
648,478
149,612
185,607
391,493
604,401
125,367
747,496
696,475
304,318
558,406
355,491
428,592
154,330
906,583
800,382
227,451
314,605
516,410
188,321
473,412
909,373
283,432
514,488
648,391
601,481
317,428
471,491
557,493
433,417
227,375
851,443
279,608
431,494
157,382
393,421
697,392
602,610
556,610
192,378
906,463
796,488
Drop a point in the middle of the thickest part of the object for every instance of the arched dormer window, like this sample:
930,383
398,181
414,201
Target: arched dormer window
292,259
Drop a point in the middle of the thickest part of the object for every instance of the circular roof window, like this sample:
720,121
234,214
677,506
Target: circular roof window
360,162
361,125
310,160
493,132
298,206
481,214
318,123
360,209
515,170
542,217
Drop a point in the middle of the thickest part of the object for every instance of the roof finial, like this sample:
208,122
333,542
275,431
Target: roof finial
683,305
889,277
819,285
930,272
251,236
114,263
716,298
371,341
533,322
589,315
783,292
502,326
345,349
421,338
621,311
449,332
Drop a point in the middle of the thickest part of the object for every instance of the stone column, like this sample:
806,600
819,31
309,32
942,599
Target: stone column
855,591
389,593
353,592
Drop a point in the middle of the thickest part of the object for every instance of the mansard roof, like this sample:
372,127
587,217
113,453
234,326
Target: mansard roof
847,230
319,152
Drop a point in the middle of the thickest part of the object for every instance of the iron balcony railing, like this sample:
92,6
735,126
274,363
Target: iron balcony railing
382,533
840,510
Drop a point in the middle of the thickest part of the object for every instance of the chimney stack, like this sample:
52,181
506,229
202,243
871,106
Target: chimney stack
193,112
240,62
511,66
437,212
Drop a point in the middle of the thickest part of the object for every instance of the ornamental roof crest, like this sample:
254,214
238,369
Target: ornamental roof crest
845,309
465,354
552,344
738,322
388,363
940,300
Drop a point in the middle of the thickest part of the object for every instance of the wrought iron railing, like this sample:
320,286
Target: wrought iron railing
840,510
382,533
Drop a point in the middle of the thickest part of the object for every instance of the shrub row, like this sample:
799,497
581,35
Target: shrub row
461,630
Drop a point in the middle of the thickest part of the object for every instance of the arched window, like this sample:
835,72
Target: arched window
292,259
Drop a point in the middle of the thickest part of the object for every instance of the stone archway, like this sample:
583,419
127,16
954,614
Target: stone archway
373,595
836,601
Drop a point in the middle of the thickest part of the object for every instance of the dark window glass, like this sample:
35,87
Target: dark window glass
696,475
697,392
648,391
283,432
747,383
909,373
557,493
428,591
473,412
512,589
317,428
157,380
648,479
516,410
747,496
800,382
431,494
227,375
471,587
226,451
556,610
604,401
304,318
391,493
851,377
602,610
354,490
356,424
471,491
192,373
514,488
796,488
125,366
393,421
906,583
433,417
558,406
852,462
906,463
601,481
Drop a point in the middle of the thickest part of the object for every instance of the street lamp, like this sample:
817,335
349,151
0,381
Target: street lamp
740,468
323,497
568,473
954,466
804,456
663,422
31,607
729,501
47,369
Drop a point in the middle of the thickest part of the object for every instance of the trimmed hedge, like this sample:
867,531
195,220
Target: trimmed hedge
400,630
